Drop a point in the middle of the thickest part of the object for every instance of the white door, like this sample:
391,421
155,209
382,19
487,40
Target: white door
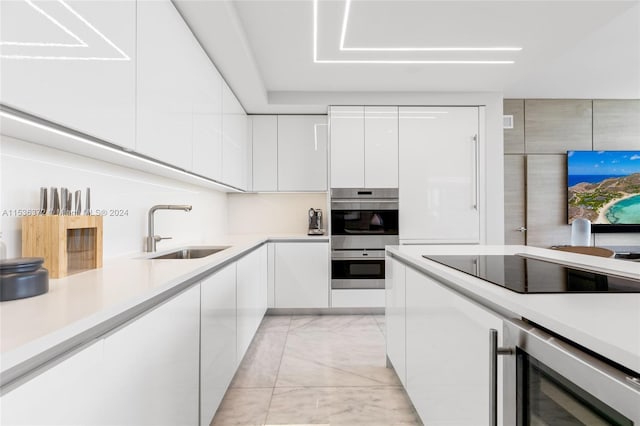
302,275
72,63
347,146
439,171
395,316
380,147
447,354
152,366
265,152
217,339
302,153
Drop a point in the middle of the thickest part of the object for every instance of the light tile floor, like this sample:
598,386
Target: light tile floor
317,370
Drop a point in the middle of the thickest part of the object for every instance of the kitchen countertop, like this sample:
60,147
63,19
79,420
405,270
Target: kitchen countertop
608,324
83,306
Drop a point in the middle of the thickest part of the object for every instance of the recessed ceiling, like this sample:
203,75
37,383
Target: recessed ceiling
332,50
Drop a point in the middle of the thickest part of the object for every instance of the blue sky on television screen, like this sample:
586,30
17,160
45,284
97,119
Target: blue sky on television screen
608,163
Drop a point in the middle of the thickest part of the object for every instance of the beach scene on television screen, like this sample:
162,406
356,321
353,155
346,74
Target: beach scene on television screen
604,186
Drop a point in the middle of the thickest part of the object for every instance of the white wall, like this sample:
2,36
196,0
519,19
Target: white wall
285,213
25,167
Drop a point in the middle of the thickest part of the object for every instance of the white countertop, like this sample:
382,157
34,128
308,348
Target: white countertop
608,324
83,305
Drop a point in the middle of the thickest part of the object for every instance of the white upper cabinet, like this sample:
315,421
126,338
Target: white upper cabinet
302,153
347,146
439,187
265,152
72,63
364,147
380,147
207,117
234,140
165,96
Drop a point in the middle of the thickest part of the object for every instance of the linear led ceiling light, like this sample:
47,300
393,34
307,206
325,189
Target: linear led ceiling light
342,47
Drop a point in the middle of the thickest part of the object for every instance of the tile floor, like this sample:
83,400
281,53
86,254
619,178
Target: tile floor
317,370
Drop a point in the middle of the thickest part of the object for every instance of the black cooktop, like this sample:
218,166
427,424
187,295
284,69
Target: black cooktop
526,275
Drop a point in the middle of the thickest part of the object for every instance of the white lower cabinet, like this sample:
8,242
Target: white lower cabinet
151,368
251,299
358,298
447,354
45,399
302,275
395,317
217,339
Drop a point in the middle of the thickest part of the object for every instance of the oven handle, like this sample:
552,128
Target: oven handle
494,352
364,201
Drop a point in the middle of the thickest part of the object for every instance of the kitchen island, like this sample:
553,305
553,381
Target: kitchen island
439,321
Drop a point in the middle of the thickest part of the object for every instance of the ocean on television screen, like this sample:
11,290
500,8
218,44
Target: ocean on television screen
626,211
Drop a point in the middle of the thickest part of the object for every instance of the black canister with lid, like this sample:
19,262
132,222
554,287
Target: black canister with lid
22,277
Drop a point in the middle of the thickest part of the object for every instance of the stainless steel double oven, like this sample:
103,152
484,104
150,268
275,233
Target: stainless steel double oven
363,222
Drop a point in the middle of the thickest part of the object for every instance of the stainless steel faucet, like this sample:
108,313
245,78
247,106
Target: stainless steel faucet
152,238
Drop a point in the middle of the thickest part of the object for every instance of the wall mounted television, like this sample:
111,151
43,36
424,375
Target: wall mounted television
604,187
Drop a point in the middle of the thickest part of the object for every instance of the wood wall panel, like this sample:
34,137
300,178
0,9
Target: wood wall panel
547,201
616,124
514,199
514,138
553,126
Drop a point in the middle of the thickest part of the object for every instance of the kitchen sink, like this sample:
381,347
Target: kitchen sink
191,253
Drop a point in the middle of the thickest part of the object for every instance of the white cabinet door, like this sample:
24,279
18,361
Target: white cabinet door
164,91
395,316
302,153
207,116
73,64
217,339
302,275
67,393
265,152
447,354
347,146
251,296
152,366
234,140
380,147
271,275
439,162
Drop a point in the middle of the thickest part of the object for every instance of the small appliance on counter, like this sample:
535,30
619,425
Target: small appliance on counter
315,222
22,277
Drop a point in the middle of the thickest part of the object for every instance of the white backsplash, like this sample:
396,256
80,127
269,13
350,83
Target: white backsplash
284,213
25,167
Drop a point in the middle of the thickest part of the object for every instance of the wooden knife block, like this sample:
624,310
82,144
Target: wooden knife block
68,244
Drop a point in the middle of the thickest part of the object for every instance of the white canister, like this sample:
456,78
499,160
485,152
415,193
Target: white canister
581,232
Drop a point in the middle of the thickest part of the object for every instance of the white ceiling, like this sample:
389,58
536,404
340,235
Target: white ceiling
273,59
